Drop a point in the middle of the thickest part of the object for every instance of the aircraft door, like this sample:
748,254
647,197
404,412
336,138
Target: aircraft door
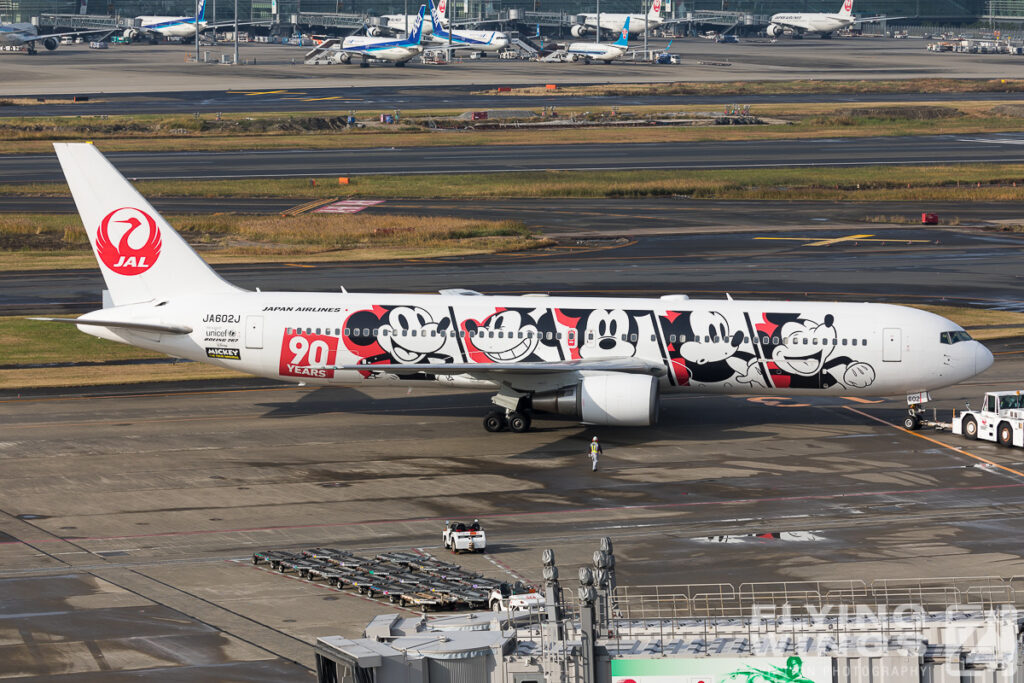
254,331
892,340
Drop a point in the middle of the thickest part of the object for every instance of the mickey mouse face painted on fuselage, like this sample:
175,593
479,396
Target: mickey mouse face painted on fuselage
506,337
608,334
804,346
712,339
417,341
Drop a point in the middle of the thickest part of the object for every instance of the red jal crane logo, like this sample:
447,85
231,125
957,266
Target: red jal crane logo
125,259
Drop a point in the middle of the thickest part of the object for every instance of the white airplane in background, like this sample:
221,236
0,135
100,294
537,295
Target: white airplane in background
389,49
178,27
483,41
403,23
168,27
615,22
28,35
599,360
604,52
816,22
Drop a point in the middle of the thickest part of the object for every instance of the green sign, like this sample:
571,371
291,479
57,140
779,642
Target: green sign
723,670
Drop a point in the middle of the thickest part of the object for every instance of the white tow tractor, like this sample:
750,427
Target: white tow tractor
516,597
1001,419
464,538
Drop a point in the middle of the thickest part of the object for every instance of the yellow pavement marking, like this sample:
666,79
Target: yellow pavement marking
300,265
332,97
855,399
868,237
263,92
937,442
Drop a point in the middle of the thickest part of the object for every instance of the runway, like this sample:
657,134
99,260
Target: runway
449,96
861,262
901,151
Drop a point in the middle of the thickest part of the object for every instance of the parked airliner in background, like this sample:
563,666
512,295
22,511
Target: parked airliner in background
604,52
816,22
28,35
403,23
394,50
599,360
483,41
613,23
168,27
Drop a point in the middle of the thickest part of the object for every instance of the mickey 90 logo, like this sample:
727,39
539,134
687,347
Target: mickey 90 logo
136,250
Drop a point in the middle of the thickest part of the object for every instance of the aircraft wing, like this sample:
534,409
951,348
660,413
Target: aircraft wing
125,325
66,33
634,366
880,17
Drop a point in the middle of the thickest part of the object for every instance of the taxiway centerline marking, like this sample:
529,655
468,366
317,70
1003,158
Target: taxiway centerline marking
937,442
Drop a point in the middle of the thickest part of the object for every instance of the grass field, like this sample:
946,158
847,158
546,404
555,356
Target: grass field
25,341
967,182
47,241
322,130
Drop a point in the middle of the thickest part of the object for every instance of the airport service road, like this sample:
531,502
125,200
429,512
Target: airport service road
924,149
468,98
859,262
133,512
615,216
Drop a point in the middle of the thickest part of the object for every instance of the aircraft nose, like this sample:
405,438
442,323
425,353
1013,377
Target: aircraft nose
983,358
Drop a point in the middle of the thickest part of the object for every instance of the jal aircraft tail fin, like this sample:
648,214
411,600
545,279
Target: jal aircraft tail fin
655,13
845,11
141,256
442,9
623,40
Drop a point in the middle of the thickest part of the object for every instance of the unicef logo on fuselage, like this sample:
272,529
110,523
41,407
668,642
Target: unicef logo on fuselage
138,241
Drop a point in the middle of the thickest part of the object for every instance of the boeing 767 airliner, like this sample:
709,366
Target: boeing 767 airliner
599,360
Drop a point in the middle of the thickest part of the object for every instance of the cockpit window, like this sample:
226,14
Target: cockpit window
954,337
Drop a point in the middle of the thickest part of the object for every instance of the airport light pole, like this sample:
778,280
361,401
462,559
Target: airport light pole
407,19
195,25
236,33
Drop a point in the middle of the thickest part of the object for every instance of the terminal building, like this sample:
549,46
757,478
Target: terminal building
939,11
592,631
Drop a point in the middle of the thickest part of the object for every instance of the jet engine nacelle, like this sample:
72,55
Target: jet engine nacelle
51,43
614,399
774,30
130,34
374,32
577,30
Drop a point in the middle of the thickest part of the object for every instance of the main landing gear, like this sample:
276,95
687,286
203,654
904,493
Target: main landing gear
513,420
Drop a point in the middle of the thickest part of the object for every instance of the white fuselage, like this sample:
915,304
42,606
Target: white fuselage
482,41
613,23
170,27
401,23
382,48
598,51
17,34
812,22
720,346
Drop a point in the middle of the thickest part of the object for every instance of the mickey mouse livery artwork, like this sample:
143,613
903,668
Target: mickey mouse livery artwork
597,360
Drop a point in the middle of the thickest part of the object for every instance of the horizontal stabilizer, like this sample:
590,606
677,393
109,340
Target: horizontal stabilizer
139,327
625,365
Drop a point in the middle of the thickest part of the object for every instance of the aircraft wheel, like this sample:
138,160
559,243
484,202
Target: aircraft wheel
1005,434
911,423
519,422
495,422
970,428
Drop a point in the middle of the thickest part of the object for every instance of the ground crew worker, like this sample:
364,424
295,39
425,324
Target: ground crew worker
595,450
